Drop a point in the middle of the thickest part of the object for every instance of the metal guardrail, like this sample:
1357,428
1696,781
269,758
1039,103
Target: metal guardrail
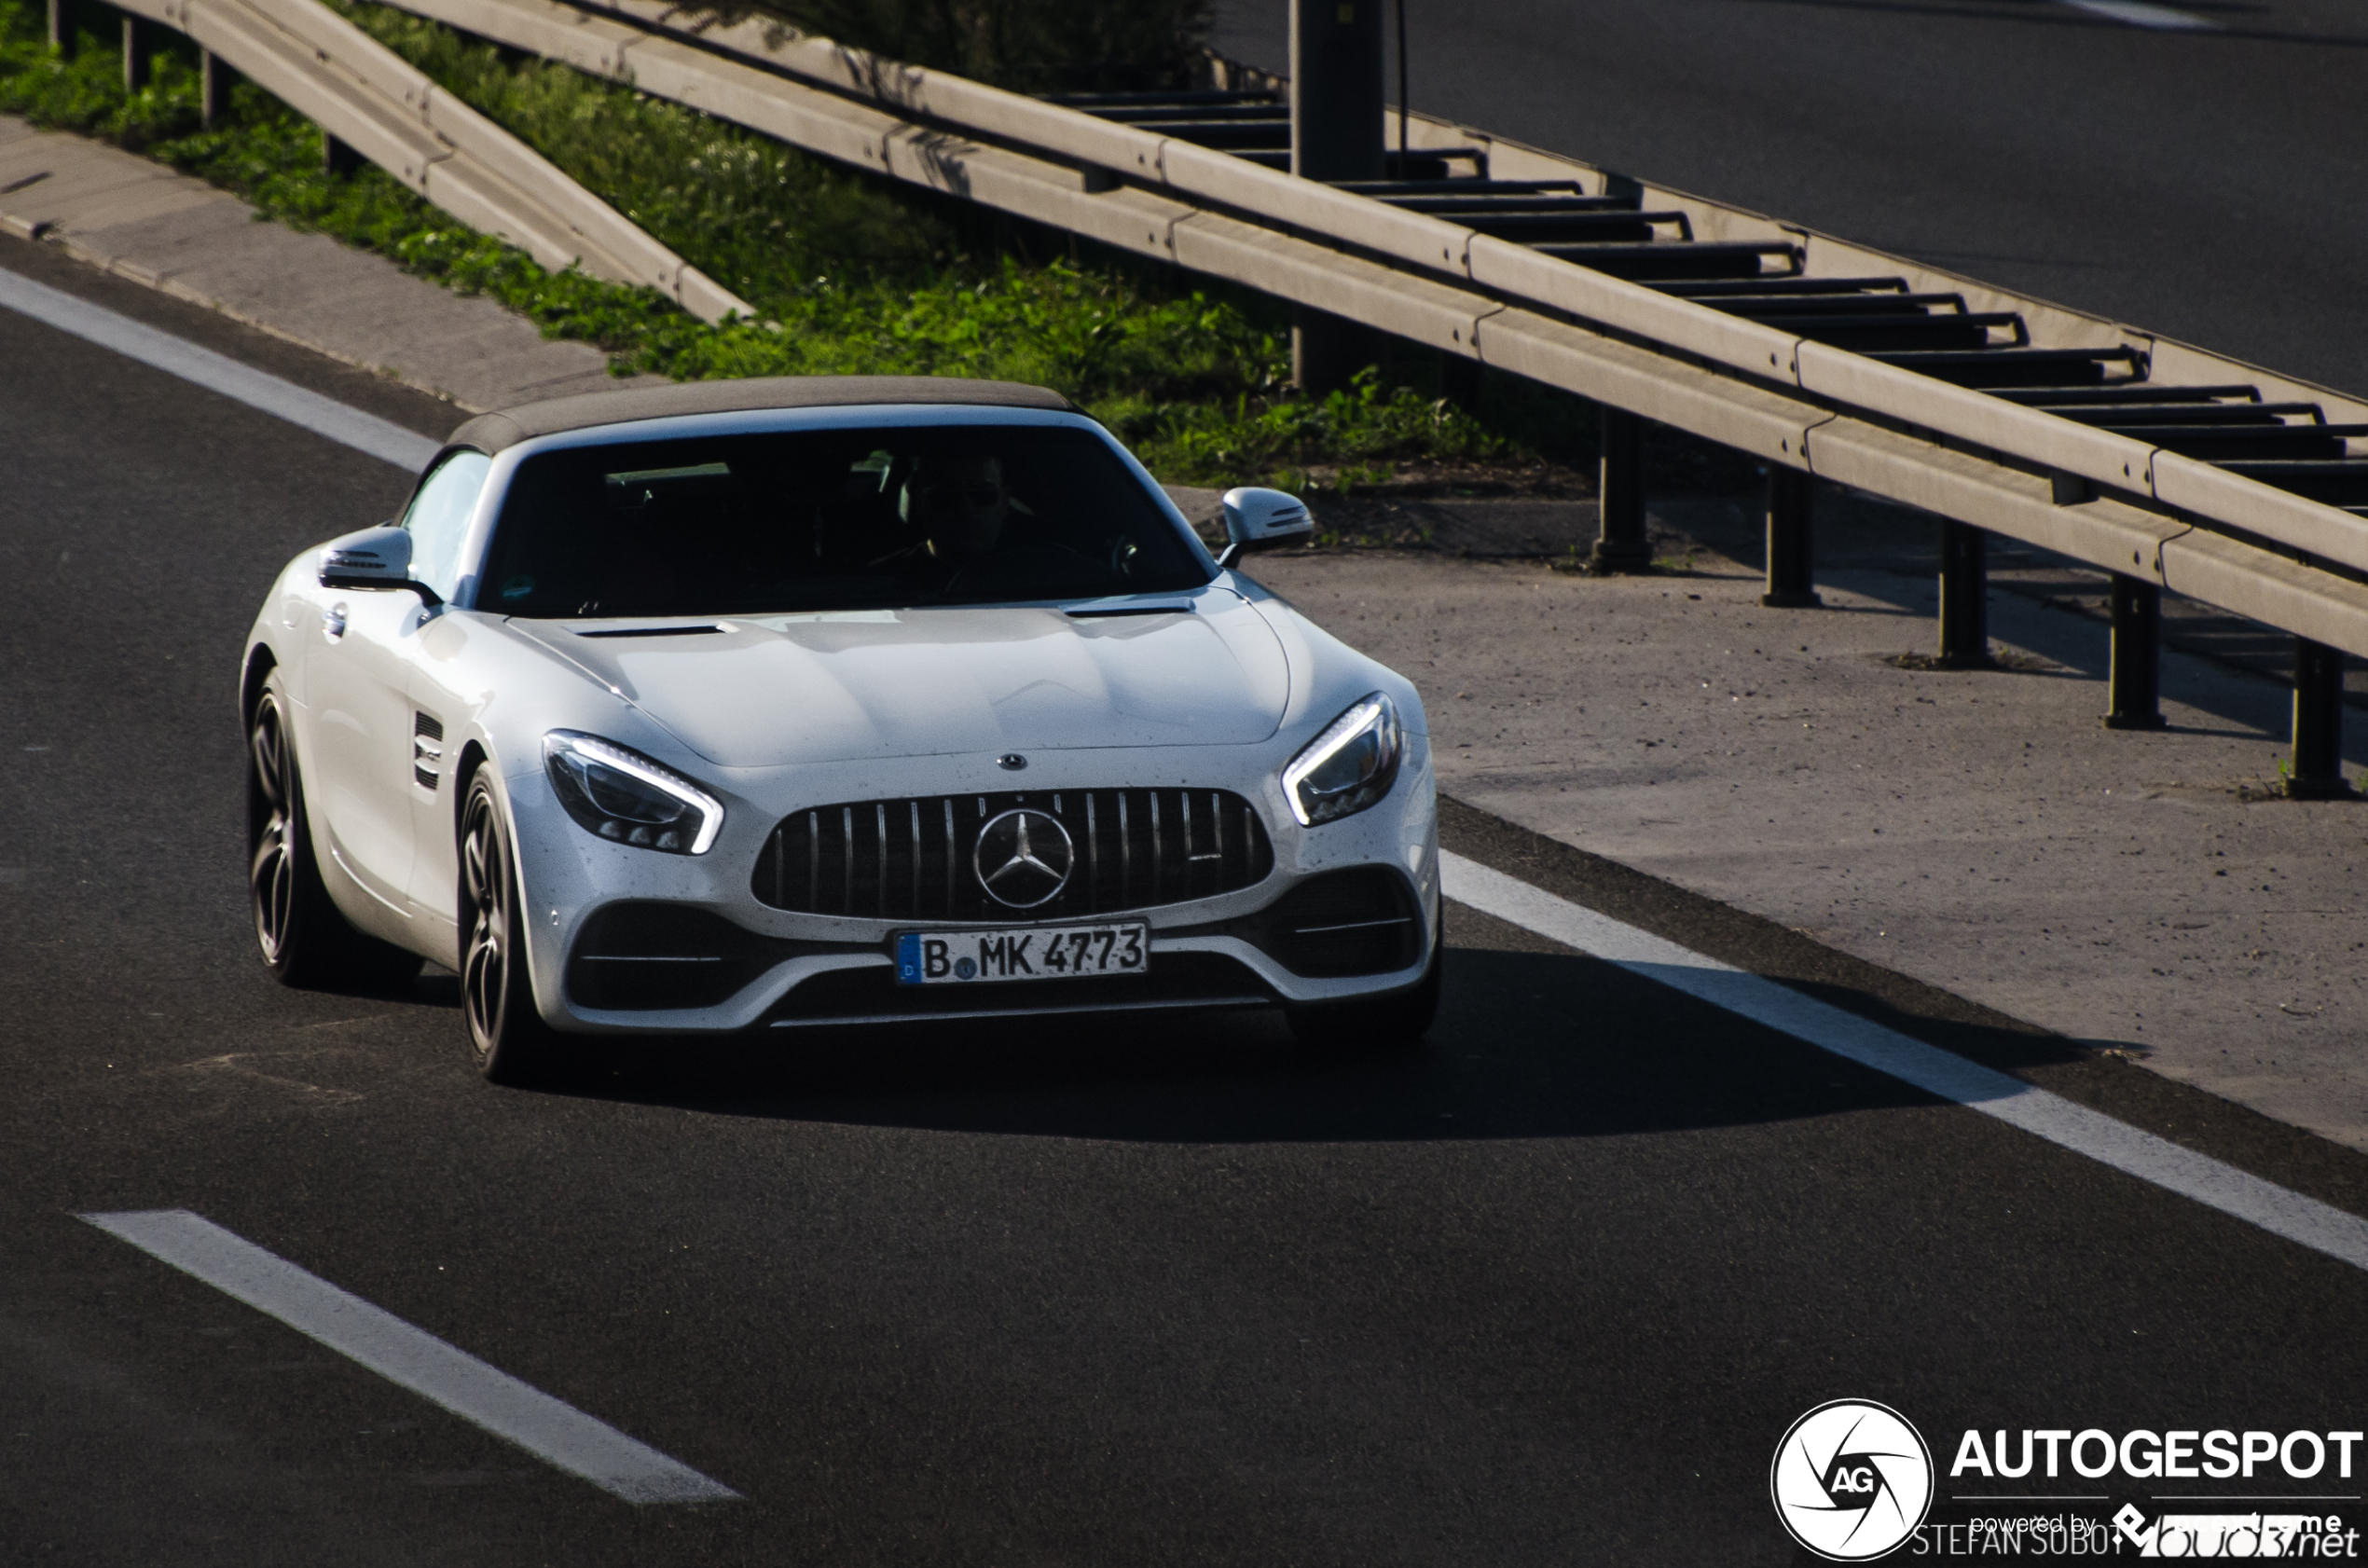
365,96
2167,466
1602,291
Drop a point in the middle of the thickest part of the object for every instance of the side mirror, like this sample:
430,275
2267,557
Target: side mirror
1259,519
375,559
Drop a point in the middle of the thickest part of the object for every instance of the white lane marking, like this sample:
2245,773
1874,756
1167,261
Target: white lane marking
555,1431
322,415
2137,13
2216,1185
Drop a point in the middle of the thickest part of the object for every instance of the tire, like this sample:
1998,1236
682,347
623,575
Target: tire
1380,1028
306,941
511,1042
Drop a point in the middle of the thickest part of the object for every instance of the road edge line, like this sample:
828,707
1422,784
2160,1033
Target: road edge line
2156,1160
159,349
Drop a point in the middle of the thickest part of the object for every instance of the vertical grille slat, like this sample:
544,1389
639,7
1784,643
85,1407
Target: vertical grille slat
846,860
918,905
1185,847
1126,855
1159,860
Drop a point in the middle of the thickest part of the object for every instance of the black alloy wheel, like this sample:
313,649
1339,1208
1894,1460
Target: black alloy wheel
506,1031
306,940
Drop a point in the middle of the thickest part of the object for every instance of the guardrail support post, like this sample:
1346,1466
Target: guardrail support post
1335,134
214,76
1622,546
1327,352
60,28
336,158
1964,598
2319,723
2136,678
138,38
1791,577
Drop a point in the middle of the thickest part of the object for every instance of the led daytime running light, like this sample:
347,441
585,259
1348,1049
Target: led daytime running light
560,746
1316,795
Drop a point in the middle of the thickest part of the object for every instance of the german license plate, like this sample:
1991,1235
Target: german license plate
1021,952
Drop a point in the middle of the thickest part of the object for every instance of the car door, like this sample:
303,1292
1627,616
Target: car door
356,681
440,520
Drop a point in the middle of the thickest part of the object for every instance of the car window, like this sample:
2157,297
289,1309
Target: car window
438,518
838,520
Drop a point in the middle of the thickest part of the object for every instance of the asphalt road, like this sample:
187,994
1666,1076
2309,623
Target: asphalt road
2205,184
1548,1291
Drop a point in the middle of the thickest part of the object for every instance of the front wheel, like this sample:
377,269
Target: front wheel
510,1040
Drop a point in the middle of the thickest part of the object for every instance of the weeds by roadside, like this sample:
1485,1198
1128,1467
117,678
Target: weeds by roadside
848,275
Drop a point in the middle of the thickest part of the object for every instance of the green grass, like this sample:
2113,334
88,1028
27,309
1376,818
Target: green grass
848,274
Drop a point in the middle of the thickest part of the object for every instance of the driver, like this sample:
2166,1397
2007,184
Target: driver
958,506
976,538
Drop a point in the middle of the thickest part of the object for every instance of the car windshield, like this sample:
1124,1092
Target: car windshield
834,519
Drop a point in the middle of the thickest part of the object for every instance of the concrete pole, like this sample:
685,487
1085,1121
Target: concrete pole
1622,546
139,41
2135,680
214,76
1964,598
1336,102
2319,723
1792,582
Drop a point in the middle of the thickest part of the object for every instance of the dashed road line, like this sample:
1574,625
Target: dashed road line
323,416
553,1431
2131,1150
2137,13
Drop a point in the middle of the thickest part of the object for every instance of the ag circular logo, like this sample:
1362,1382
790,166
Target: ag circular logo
1023,857
1852,1480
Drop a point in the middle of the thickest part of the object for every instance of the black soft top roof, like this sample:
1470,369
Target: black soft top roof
506,427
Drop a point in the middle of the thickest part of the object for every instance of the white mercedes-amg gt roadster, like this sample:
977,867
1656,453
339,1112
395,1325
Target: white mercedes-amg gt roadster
743,706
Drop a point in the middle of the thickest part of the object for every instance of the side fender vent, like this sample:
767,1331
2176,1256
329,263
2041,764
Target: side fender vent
427,749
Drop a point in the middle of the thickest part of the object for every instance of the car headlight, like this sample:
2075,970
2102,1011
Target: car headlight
1348,767
625,797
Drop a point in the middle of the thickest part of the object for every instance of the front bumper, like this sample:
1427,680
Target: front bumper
785,970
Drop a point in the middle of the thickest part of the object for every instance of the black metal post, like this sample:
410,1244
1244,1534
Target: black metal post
139,39
214,76
1622,546
1964,598
1337,107
1403,111
1792,582
1459,381
2319,723
2135,682
336,158
1328,350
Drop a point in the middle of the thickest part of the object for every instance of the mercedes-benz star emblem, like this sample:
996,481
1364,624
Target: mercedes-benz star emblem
1023,857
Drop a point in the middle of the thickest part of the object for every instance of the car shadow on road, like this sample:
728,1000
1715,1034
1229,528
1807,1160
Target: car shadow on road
1529,1044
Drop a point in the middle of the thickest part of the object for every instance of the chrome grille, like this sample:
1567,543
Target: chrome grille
911,859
